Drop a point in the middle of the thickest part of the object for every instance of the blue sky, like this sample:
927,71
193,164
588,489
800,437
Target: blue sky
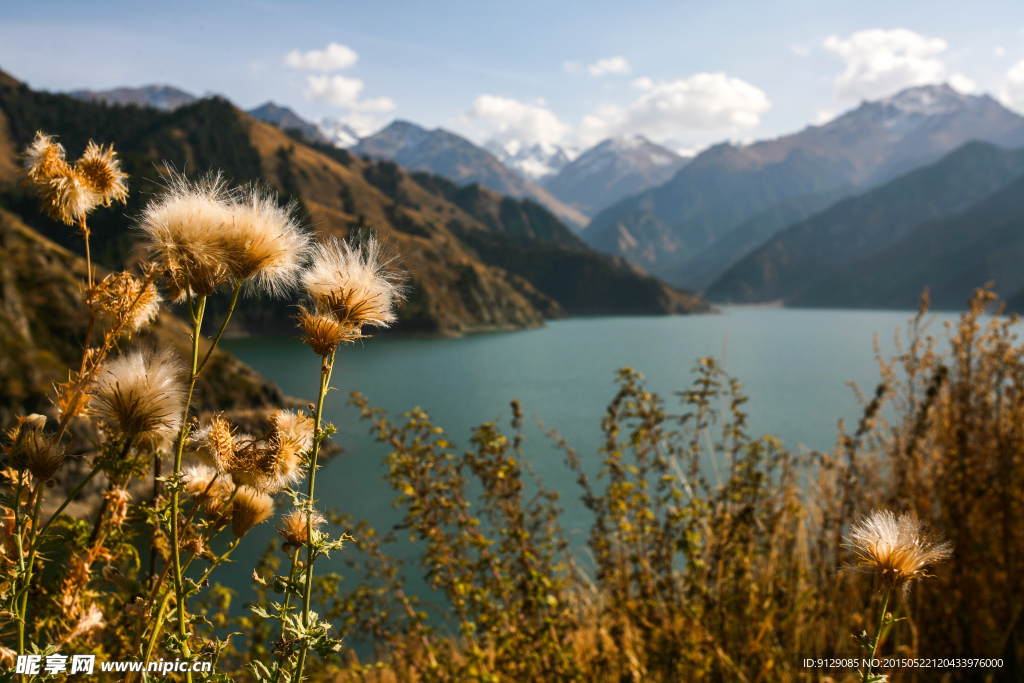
685,73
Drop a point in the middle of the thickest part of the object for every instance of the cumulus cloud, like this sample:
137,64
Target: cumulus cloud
881,62
337,90
609,65
703,102
334,58
511,119
1011,93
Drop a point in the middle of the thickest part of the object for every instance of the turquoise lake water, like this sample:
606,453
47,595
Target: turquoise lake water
794,363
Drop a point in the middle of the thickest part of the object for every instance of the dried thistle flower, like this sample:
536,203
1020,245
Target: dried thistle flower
249,508
34,450
293,527
141,395
101,171
354,284
139,609
118,501
128,301
263,466
184,229
68,197
265,244
897,548
323,333
7,656
292,433
214,445
44,159
26,437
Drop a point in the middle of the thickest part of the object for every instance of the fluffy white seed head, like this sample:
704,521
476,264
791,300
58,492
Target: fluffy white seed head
141,395
266,247
898,549
183,230
354,283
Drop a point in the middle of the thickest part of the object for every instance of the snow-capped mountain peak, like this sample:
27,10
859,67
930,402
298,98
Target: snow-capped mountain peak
535,162
338,132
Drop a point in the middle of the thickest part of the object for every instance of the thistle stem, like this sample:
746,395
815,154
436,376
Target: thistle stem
878,635
223,326
179,591
283,612
318,436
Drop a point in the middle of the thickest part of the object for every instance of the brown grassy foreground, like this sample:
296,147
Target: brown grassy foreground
716,556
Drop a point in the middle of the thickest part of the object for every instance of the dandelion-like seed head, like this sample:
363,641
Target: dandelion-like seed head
323,333
44,159
184,230
68,197
126,300
209,487
249,508
265,245
354,284
101,170
292,433
293,527
214,445
140,395
896,548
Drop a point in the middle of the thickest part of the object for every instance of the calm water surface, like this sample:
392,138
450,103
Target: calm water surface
794,364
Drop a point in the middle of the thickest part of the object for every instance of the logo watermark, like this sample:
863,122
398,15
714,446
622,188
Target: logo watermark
86,664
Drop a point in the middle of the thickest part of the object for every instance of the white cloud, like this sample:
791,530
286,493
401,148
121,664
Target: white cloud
334,58
375,104
1011,93
511,119
880,62
703,102
337,90
609,65
962,83
642,83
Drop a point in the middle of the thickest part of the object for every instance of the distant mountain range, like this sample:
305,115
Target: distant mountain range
162,97
454,157
286,119
536,162
612,170
669,229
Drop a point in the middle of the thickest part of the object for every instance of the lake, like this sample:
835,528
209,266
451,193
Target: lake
794,363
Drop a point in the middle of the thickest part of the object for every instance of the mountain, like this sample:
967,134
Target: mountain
338,133
535,162
951,257
665,227
459,160
454,289
286,119
793,264
612,170
162,97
